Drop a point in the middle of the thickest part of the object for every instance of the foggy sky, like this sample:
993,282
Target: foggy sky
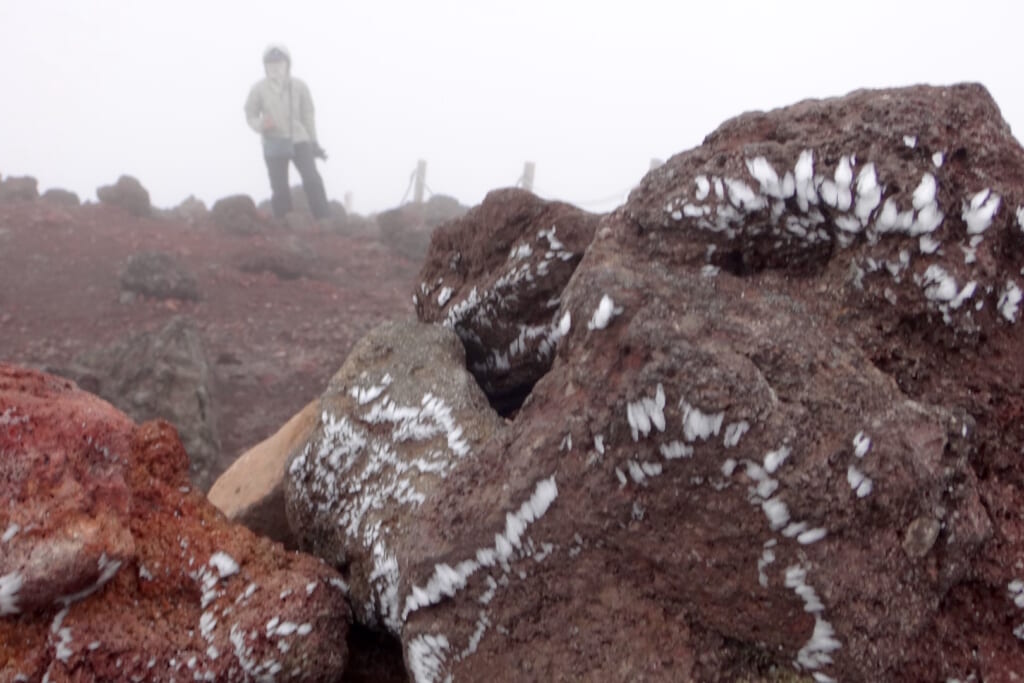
589,90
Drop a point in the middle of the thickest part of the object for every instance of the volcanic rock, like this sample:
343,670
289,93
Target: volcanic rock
782,430
163,374
495,277
61,197
399,416
114,569
24,188
191,211
407,229
127,193
237,215
159,275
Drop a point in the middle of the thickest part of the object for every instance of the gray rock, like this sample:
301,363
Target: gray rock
399,417
158,275
127,193
160,375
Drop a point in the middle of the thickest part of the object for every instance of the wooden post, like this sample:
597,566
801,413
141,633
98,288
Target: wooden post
421,181
526,182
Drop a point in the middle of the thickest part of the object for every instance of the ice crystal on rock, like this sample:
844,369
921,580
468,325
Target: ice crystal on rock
10,585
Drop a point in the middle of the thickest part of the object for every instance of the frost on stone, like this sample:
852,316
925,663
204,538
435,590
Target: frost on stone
427,658
446,580
859,482
364,395
675,449
816,652
938,284
773,459
603,314
11,532
444,296
349,473
224,564
861,444
777,513
107,569
734,432
811,536
910,141
699,425
1009,301
978,213
646,413
10,585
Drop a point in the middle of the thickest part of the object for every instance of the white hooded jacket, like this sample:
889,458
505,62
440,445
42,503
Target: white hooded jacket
287,104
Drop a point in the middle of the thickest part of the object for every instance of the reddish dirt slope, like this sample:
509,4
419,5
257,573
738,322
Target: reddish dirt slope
272,343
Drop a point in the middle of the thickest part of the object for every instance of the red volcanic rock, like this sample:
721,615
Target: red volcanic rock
494,276
781,435
146,580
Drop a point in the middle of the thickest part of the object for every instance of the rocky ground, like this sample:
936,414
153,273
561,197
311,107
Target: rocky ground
277,310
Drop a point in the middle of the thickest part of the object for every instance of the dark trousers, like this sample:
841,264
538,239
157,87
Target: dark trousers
312,183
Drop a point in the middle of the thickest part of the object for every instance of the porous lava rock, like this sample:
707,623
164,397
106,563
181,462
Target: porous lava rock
237,215
115,569
61,197
494,276
19,188
408,228
191,211
398,417
162,374
781,434
159,275
127,193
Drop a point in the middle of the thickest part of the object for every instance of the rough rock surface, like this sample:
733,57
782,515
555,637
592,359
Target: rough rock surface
191,211
251,491
127,193
114,569
24,188
160,375
495,277
782,432
408,228
396,419
237,214
61,197
159,275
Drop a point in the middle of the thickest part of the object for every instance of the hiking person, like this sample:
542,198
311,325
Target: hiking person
280,109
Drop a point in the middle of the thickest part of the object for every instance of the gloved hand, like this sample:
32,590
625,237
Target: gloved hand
319,152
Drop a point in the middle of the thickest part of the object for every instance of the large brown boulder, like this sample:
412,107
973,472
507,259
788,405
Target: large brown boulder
780,438
127,193
115,569
494,276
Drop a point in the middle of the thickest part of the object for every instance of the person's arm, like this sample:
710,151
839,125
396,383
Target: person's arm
254,110
307,114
